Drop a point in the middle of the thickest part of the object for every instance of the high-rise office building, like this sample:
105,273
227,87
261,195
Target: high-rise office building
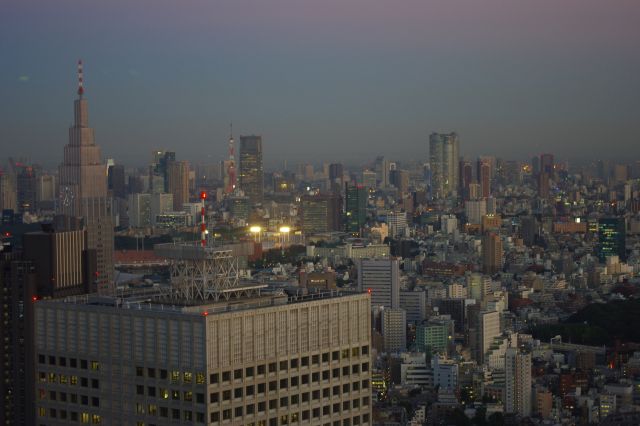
399,179
26,180
264,361
484,327
140,210
492,253
355,208
116,180
544,185
484,177
466,178
46,191
397,222
381,278
83,189
394,329
64,264
443,157
518,382
546,164
17,293
320,213
611,238
474,210
178,183
8,193
158,171
251,169
336,175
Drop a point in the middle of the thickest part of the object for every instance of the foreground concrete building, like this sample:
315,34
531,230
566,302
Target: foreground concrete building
263,360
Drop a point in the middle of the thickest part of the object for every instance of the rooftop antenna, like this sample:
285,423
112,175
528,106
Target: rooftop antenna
80,79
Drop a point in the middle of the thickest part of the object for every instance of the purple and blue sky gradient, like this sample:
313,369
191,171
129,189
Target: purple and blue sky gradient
324,80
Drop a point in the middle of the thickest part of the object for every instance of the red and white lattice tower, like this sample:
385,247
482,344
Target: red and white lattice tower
203,223
231,168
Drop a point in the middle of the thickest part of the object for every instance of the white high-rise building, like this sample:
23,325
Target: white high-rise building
140,210
381,278
444,157
263,360
518,382
397,222
161,203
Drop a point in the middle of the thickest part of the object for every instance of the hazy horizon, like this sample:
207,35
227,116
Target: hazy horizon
330,81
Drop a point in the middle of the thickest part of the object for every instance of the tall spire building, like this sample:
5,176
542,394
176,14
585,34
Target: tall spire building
83,189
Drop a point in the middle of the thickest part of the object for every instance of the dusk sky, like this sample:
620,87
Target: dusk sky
335,80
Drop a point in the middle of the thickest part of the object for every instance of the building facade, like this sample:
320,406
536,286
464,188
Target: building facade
251,168
266,361
444,160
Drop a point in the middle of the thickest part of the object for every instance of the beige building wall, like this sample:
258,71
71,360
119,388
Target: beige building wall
297,363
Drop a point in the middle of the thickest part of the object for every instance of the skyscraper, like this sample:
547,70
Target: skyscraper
251,169
381,278
518,382
484,177
17,290
64,266
355,208
491,253
178,183
320,213
611,238
83,188
443,156
466,178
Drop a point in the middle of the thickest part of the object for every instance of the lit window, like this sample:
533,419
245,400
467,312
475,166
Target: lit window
199,378
187,377
175,376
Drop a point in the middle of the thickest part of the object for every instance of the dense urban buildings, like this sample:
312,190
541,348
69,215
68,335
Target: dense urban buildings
442,288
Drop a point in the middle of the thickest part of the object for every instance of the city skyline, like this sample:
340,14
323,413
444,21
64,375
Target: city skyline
540,81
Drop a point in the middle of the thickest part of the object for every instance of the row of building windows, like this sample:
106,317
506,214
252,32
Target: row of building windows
68,397
70,380
225,377
169,413
186,377
69,362
227,395
72,416
305,416
283,402
174,394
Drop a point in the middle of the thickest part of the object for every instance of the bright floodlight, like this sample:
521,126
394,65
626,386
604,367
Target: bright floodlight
285,229
255,229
